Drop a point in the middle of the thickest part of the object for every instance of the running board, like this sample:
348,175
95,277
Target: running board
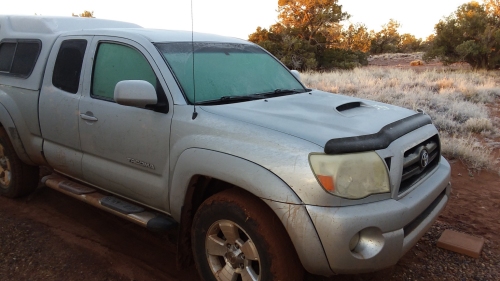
121,208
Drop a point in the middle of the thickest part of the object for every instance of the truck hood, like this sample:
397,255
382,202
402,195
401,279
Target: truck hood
316,116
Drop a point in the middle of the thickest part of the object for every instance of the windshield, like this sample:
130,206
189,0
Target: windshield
226,70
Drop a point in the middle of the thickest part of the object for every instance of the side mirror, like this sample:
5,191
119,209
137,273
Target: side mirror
296,74
137,93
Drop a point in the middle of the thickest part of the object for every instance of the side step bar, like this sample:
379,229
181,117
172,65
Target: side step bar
136,214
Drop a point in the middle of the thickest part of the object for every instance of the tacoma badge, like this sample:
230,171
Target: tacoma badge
141,163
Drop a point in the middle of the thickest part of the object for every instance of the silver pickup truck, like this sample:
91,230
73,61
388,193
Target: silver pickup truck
213,136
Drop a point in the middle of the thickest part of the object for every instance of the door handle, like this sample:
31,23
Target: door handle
88,117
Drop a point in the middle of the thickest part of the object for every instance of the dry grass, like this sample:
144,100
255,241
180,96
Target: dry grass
478,125
456,102
468,149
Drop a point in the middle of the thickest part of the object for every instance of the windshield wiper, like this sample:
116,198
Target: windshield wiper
287,91
230,99
282,92
236,98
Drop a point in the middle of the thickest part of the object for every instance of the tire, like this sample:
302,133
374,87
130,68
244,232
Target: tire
236,236
16,178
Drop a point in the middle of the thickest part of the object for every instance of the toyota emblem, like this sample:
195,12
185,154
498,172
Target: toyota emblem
424,158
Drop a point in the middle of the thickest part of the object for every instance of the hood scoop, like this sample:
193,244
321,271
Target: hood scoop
348,106
353,108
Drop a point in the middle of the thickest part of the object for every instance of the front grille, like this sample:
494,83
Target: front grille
419,161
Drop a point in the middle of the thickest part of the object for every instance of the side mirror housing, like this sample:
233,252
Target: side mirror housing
296,74
136,93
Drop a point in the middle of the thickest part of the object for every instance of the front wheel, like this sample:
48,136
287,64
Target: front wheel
235,236
16,178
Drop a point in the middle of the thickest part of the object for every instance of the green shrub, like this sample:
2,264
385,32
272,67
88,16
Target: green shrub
342,58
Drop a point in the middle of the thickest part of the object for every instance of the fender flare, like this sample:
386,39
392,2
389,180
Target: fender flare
9,126
262,183
237,171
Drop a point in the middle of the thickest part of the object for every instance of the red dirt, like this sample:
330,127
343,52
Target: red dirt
404,63
48,236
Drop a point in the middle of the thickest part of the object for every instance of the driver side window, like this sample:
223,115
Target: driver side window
116,62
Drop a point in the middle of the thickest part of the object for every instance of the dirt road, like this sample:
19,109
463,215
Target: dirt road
48,236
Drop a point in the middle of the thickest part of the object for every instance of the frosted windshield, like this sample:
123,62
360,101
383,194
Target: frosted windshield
224,69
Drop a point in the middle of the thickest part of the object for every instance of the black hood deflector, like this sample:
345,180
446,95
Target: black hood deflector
379,140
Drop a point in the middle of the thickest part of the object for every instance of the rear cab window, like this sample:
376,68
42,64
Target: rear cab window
68,66
18,56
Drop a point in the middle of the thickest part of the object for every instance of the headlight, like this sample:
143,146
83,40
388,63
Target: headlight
352,176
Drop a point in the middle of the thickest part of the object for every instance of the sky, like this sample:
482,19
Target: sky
238,18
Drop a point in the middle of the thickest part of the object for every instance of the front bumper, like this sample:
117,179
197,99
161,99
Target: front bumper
387,229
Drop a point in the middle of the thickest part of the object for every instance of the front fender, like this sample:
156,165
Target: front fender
237,171
262,183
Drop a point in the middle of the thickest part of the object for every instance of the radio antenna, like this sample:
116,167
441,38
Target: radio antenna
195,114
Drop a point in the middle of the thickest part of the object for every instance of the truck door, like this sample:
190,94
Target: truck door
125,148
58,104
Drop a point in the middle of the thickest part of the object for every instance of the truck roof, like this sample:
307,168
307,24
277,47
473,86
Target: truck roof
46,29
43,27
12,25
159,35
